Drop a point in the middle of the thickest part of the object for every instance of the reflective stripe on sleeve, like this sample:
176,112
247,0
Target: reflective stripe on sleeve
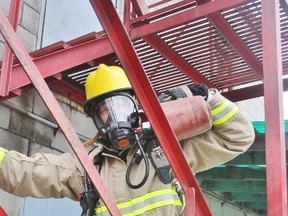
223,113
2,155
144,203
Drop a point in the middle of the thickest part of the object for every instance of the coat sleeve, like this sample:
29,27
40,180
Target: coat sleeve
41,175
231,134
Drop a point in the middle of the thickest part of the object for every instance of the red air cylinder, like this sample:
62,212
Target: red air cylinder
188,116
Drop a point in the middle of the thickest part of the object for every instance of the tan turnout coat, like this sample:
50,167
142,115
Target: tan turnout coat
48,175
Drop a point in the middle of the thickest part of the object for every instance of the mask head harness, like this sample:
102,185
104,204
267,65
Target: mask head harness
116,117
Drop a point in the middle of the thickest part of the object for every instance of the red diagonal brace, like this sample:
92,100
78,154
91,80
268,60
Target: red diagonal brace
169,54
8,56
2,212
55,109
131,64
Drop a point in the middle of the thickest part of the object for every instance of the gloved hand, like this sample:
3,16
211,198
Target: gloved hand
199,89
184,91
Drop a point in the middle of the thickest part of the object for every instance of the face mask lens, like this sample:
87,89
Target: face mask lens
114,109
112,117
122,107
100,115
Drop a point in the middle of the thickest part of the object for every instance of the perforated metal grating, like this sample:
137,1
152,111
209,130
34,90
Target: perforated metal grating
205,46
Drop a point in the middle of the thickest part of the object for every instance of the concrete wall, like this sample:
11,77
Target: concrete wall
25,123
15,135
28,22
27,126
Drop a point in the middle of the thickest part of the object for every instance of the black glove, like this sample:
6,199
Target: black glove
181,92
199,89
172,94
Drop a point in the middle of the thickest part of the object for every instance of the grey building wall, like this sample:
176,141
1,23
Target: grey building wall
27,127
28,22
15,135
25,123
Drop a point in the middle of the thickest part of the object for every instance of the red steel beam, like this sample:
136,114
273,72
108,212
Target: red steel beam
55,109
183,17
127,15
140,7
169,54
68,91
190,192
217,20
2,212
273,101
131,64
221,25
154,41
249,92
62,60
235,41
8,54
50,65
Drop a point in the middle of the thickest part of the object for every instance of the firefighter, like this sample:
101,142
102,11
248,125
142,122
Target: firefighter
130,161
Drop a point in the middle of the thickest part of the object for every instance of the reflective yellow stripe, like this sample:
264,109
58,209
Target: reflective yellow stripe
220,108
149,201
223,113
146,196
2,155
154,206
226,117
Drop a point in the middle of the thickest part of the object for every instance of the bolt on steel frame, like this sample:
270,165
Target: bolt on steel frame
273,88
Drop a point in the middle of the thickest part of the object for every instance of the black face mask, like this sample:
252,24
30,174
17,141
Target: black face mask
116,118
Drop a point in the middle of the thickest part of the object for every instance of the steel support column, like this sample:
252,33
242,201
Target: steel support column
273,101
8,55
131,64
55,109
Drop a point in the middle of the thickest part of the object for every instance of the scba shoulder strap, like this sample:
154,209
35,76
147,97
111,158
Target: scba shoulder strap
159,161
90,198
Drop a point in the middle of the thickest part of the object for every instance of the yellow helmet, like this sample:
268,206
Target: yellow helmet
105,79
